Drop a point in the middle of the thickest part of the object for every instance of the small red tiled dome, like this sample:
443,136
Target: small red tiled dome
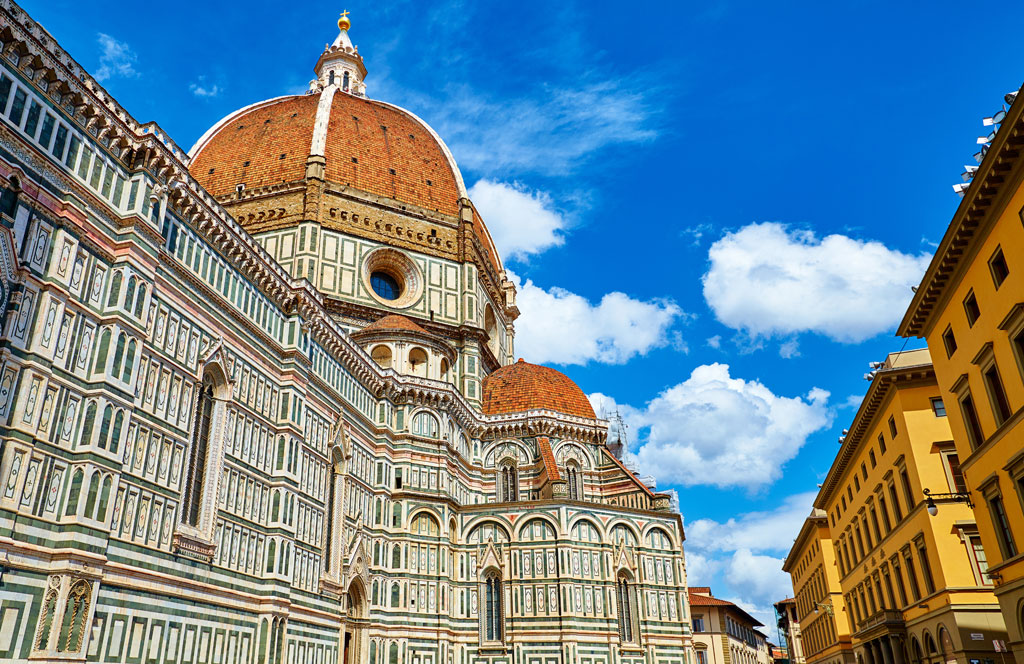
393,322
523,386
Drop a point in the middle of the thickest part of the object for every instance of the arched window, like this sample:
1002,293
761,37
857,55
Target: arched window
623,535
330,79
418,362
424,524
129,362
76,612
90,496
115,431
344,82
129,293
108,413
90,421
572,476
627,608
271,556
445,368
140,301
75,492
492,614
507,482
382,356
198,452
118,355
115,289
101,356
424,424
101,511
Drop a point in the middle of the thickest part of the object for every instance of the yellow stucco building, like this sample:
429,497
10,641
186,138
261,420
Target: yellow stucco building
822,614
970,309
914,583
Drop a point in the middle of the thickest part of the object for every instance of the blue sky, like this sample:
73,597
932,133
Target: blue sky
715,212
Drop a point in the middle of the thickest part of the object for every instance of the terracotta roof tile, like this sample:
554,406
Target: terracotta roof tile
544,445
393,322
523,386
696,599
372,147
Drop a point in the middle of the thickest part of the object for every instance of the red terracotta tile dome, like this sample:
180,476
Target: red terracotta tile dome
393,322
523,386
370,145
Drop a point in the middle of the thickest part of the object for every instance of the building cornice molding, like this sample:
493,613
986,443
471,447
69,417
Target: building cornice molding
882,386
990,191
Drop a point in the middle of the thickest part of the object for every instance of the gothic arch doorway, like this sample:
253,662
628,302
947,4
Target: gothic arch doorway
353,634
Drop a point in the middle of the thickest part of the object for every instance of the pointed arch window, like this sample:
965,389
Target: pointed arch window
627,608
572,476
344,82
493,615
507,482
198,452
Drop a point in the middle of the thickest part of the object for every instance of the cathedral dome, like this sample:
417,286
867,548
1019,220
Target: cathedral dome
523,386
304,158
368,145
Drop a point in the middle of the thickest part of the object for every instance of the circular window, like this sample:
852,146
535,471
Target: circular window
385,285
392,278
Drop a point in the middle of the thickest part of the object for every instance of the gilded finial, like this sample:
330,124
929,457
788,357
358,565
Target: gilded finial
343,22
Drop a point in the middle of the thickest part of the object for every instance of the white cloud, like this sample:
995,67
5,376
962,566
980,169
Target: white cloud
561,327
715,341
200,88
771,530
743,556
713,429
758,579
769,280
522,222
789,349
700,569
117,59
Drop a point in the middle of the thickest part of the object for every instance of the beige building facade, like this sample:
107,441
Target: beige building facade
723,633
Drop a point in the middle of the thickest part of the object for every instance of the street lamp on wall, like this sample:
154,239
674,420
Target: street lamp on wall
823,605
956,497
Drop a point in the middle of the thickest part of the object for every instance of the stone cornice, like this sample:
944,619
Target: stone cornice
883,383
995,181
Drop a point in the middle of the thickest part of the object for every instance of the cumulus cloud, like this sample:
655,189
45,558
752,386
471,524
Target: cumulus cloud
522,222
200,88
771,530
713,429
117,59
743,555
769,280
561,327
758,578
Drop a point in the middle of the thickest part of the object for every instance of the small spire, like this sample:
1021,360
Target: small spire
340,64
